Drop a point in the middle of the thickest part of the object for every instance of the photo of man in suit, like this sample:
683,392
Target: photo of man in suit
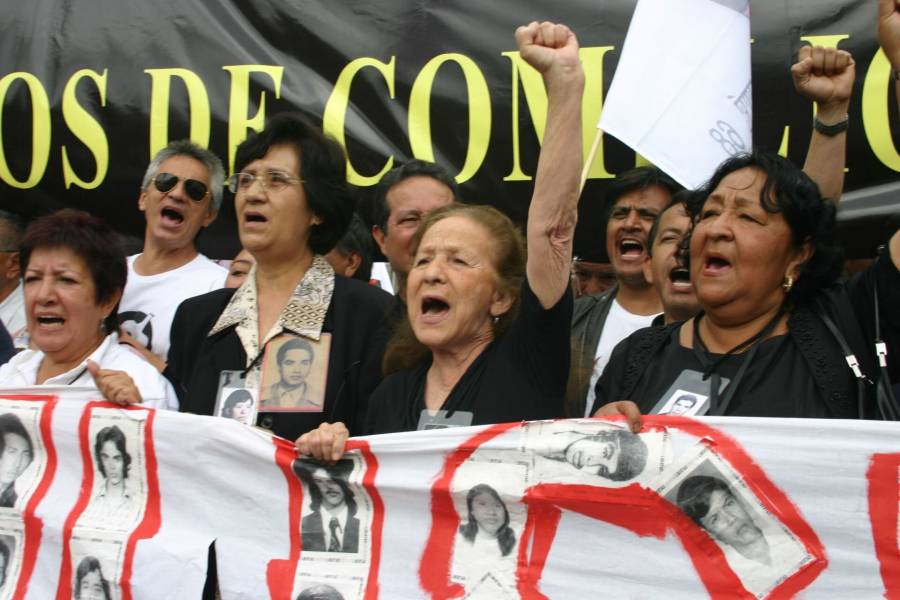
332,525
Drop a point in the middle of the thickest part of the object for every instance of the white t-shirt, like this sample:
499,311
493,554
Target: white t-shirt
12,313
619,325
156,391
149,301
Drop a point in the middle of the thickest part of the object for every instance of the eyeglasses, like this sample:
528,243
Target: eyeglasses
272,181
196,190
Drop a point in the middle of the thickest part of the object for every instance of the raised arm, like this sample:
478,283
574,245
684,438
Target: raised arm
825,76
553,50
889,36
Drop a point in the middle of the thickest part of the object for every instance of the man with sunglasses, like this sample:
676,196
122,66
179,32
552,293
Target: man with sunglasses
180,194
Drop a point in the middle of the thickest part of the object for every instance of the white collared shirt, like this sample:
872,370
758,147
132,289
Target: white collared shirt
156,391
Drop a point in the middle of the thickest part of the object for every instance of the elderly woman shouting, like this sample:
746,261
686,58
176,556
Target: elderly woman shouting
487,335
776,332
293,205
74,272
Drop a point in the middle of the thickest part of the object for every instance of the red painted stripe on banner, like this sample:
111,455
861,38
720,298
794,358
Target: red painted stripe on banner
434,567
64,587
280,572
33,526
884,495
150,524
634,508
377,514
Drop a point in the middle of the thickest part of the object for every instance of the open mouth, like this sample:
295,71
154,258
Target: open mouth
50,320
629,247
680,275
434,306
171,215
254,217
716,263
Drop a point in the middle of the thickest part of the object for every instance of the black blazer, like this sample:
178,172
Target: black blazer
358,320
312,534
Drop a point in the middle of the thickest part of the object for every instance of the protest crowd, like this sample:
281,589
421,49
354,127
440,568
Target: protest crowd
735,291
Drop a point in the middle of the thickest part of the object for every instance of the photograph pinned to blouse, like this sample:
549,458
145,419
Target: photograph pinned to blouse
22,452
119,495
336,515
11,537
234,400
487,494
688,396
594,452
316,586
96,562
294,373
759,548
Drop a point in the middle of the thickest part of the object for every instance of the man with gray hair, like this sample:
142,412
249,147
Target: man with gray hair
12,300
181,193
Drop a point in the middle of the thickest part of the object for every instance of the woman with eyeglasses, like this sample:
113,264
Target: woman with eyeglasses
293,205
73,268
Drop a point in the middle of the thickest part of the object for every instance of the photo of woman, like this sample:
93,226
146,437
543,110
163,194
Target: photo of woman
239,405
487,528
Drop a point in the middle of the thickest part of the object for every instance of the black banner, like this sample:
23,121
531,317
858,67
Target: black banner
90,90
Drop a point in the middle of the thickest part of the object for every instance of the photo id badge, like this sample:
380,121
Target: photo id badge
440,420
235,400
688,396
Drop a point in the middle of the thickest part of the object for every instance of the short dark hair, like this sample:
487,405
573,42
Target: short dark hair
694,494
11,423
294,344
89,238
89,564
233,399
323,169
358,239
115,435
790,191
11,232
506,537
411,168
632,453
639,178
680,198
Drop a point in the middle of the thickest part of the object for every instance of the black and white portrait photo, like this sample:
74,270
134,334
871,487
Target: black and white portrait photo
238,404
16,454
8,558
331,523
293,374
120,484
760,550
487,523
90,581
321,591
595,453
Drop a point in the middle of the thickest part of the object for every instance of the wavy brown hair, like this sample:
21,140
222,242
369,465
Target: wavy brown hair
404,351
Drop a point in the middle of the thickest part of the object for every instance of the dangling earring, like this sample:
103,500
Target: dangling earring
787,284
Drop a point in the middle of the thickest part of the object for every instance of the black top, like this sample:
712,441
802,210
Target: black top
777,382
801,374
357,318
520,376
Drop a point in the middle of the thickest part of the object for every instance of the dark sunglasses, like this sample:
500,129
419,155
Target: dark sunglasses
196,190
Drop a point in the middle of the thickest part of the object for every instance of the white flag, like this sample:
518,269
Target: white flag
681,94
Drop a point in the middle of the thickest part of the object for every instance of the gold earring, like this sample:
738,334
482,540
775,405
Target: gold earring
787,284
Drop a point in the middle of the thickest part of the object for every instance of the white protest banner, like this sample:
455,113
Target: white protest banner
681,94
97,501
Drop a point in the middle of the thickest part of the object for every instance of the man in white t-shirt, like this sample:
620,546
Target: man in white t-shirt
180,194
601,321
12,300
